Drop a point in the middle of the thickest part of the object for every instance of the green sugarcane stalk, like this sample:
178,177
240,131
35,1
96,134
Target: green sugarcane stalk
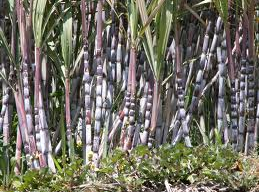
18,152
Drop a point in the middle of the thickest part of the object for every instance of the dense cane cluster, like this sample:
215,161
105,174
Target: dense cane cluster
82,78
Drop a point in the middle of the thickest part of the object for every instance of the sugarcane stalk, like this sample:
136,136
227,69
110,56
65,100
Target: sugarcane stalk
43,163
18,152
128,70
45,136
104,144
87,142
25,81
5,88
242,95
184,131
26,88
117,123
256,73
68,115
5,100
241,122
147,121
200,74
6,137
235,91
23,124
249,143
143,106
5,113
99,73
131,128
119,55
167,111
159,126
113,58
105,86
28,111
189,54
155,106
221,109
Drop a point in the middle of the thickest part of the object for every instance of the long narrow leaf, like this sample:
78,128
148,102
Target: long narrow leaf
163,36
37,19
66,39
148,45
4,44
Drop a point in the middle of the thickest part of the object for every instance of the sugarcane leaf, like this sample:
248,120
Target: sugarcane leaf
151,7
52,53
202,3
156,52
48,16
111,3
151,16
195,14
4,44
66,39
148,55
77,61
37,20
11,5
222,8
147,39
203,133
163,30
57,164
72,149
167,79
133,19
218,137
48,32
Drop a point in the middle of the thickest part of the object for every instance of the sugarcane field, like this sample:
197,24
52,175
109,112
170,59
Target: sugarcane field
129,95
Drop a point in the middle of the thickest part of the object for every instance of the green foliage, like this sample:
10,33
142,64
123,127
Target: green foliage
43,180
4,44
66,39
38,16
133,19
142,168
178,165
222,7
